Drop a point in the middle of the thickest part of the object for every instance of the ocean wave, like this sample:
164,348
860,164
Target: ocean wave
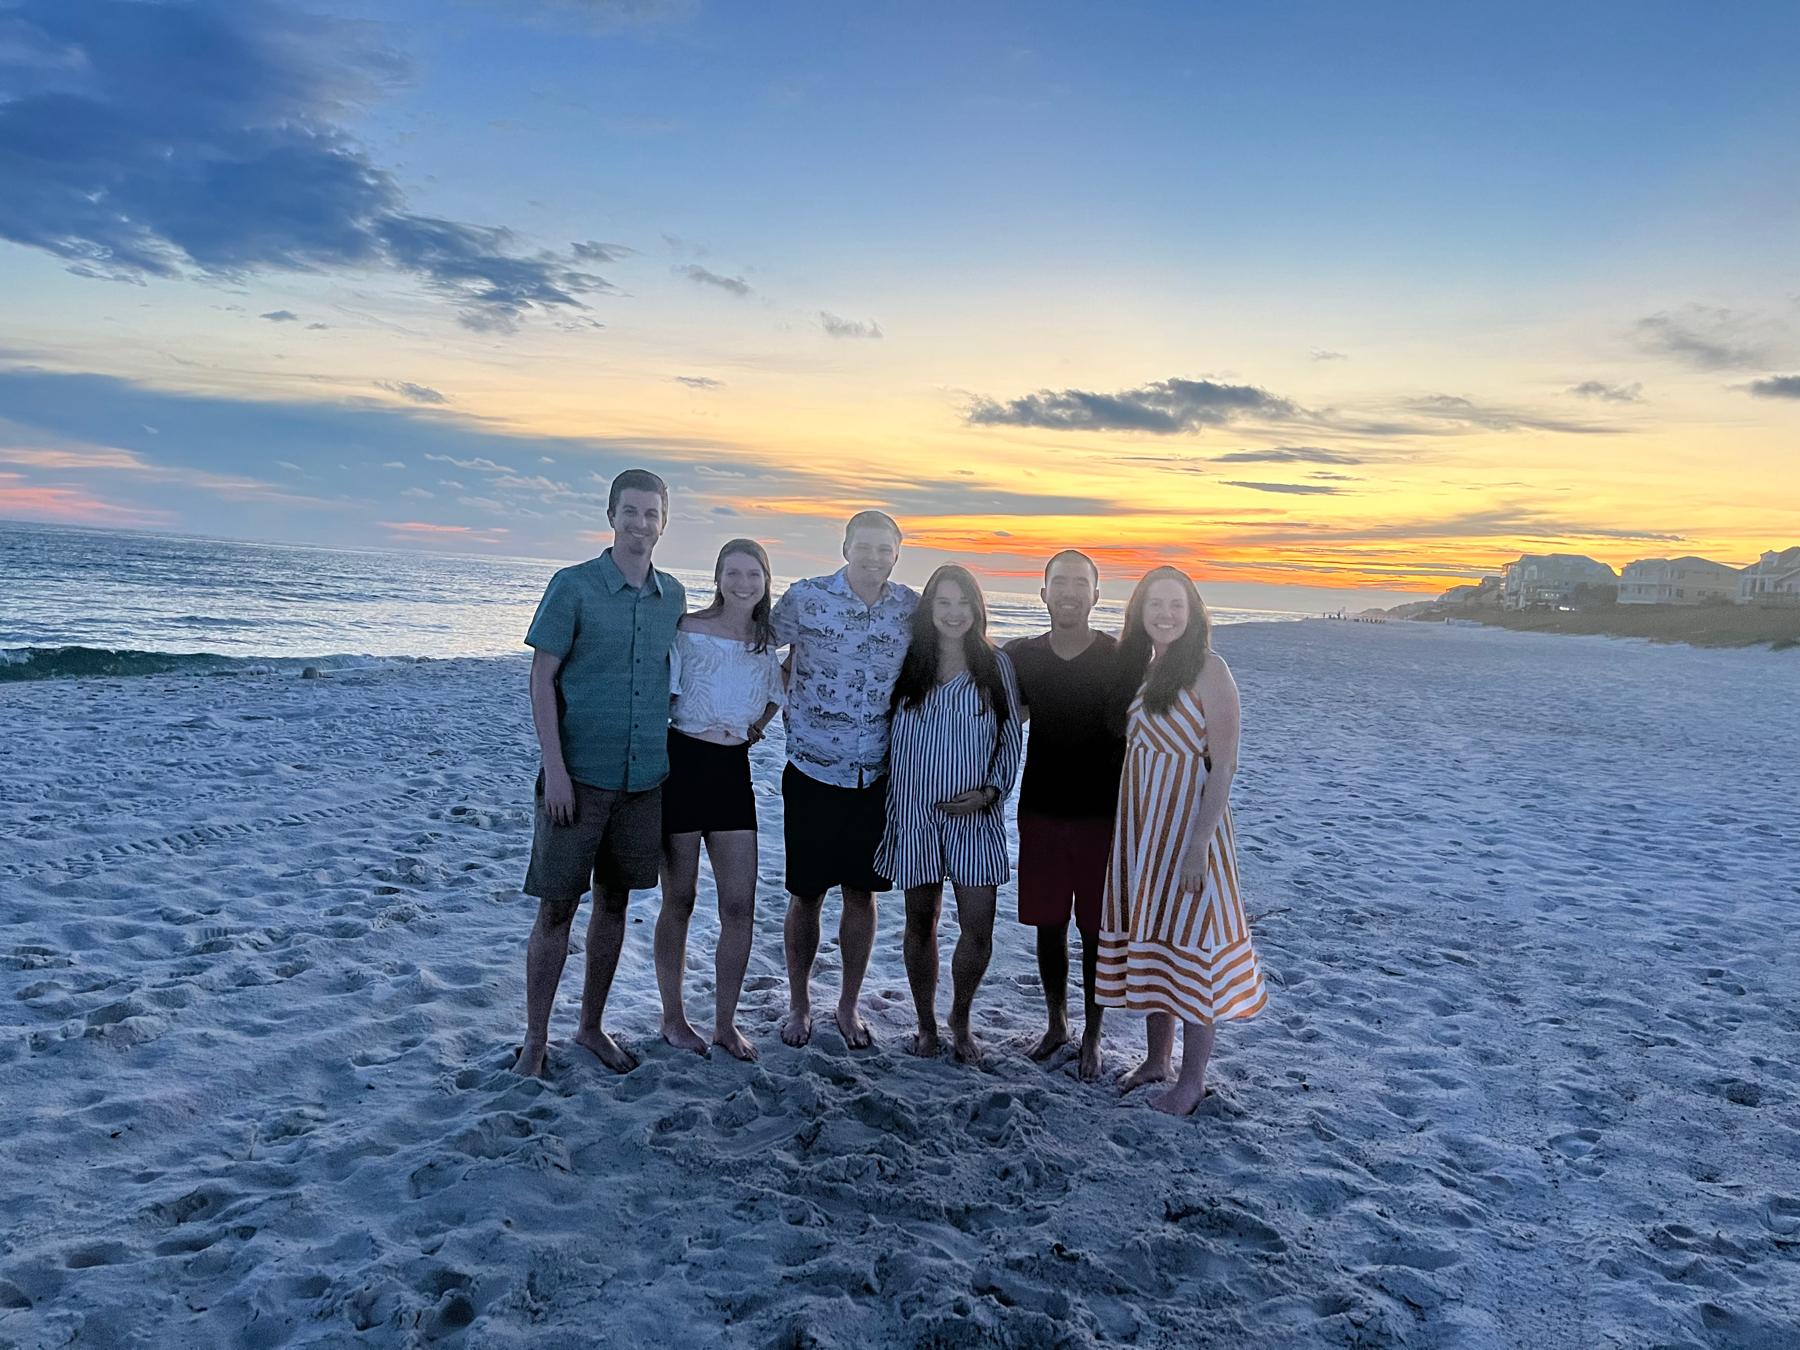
70,663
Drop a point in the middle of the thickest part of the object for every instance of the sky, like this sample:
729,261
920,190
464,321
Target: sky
1351,300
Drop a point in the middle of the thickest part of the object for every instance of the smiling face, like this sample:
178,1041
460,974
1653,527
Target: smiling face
952,610
637,522
742,581
871,551
1165,612
1069,592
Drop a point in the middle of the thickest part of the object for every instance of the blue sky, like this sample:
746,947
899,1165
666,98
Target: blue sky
1526,271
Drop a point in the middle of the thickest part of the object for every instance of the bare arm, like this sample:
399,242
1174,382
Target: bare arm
559,792
1219,701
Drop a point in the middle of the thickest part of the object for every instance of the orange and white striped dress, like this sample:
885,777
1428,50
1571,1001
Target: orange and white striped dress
1164,948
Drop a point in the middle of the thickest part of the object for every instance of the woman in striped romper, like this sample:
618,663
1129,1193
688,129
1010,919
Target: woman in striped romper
953,758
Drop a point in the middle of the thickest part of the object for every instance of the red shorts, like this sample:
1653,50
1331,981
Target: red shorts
1059,861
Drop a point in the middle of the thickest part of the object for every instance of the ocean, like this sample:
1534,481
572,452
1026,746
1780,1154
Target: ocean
83,602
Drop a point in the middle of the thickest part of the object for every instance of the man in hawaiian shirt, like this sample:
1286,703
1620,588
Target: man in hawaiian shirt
847,635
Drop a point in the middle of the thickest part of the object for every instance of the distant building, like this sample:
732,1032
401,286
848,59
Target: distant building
1678,581
1486,591
1534,580
1773,579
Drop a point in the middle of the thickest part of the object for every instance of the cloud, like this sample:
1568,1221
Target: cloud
1287,454
1164,408
394,464
699,381
23,501
418,393
280,316
1608,393
1707,337
696,273
1298,489
1468,415
1776,386
476,465
205,139
594,251
419,492
317,327
1323,354
847,328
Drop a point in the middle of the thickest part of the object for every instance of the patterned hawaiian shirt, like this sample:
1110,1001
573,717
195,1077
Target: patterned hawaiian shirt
846,656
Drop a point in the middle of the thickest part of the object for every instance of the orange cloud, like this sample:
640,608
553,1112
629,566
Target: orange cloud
67,504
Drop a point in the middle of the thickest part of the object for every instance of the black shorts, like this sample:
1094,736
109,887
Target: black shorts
614,842
832,834
708,787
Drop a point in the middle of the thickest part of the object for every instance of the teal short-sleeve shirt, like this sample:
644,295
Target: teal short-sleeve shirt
613,688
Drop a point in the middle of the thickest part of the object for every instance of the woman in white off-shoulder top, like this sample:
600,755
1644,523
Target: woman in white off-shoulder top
726,678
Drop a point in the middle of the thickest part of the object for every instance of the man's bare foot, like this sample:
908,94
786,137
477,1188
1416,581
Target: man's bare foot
1053,1040
734,1043
605,1049
1089,1065
797,1030
925,1043
964,1048
1147,1072
855,1031
532,1060
683,1037
1179,1100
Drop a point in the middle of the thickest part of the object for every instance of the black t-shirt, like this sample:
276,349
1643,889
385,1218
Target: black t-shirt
1076,750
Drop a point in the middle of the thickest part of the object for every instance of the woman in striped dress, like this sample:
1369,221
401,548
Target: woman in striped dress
1174,942
953,757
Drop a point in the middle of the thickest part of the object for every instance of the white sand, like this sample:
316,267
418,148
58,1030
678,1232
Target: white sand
1528,1076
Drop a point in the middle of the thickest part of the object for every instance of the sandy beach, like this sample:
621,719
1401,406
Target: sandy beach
1527,1078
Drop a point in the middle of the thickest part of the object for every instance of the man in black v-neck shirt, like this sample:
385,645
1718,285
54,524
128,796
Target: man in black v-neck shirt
1070,790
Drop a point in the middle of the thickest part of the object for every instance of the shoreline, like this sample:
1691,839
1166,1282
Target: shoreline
1714,626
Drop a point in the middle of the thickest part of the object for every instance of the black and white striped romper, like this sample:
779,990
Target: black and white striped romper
946,746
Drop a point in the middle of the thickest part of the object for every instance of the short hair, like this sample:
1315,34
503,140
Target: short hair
865,520
1073,555
636,480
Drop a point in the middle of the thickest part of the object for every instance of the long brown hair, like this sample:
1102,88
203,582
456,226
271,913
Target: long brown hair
919,671
759,613
1178,667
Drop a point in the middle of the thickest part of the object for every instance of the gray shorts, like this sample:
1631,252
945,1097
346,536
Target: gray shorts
614,842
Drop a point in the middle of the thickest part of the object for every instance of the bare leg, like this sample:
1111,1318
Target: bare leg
545,952
923,904
800,941
1053,974
733,854
1158,1065
969,962
1196,1049
606,935
680,882
856,939
1090,1062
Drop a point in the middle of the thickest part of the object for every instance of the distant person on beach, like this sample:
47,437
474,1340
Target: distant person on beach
600,703
1068,680
1174,940
846,635
726,677
954,759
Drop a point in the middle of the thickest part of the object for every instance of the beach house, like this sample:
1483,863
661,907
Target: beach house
1773,579
1534,580
1678,581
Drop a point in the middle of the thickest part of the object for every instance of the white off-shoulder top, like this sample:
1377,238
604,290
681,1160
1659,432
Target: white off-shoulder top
721,684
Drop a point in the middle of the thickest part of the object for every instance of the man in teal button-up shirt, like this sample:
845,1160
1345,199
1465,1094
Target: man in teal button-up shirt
600,703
